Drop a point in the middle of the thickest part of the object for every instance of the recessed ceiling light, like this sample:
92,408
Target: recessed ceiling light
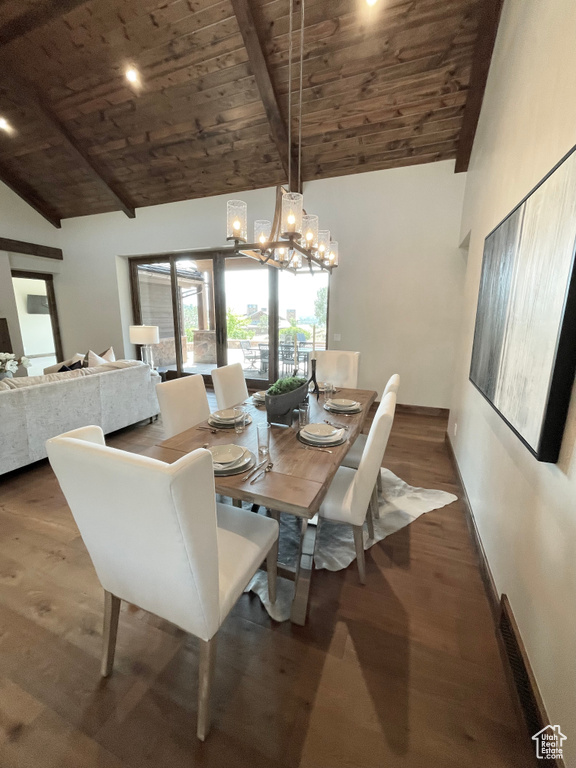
132,75
5,125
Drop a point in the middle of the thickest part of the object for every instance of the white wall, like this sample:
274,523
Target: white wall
20,222
396,297
525,510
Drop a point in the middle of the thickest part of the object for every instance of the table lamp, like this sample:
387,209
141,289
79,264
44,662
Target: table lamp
145,335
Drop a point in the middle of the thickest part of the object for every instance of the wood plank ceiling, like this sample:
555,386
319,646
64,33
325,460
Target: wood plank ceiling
384,86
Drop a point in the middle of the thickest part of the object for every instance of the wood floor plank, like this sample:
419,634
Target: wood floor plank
404,671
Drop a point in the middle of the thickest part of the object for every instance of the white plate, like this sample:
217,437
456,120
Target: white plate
226,415
226,454
321,386
260,395
319,430
338,435
340,402
243,461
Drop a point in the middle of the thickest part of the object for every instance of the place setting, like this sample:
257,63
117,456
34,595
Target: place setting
343,406
231,459
230,418
321,436
259,398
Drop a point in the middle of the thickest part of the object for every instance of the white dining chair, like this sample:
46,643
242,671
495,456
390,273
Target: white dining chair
183,403
229,385
337,367
158,539
348,497
352,458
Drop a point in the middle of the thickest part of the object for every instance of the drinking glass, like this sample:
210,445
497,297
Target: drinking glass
239,420
303,414
328,389
263,440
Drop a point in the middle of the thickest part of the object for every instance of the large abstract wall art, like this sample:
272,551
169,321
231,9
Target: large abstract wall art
524,352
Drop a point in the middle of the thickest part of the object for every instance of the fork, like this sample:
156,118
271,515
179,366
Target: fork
314,448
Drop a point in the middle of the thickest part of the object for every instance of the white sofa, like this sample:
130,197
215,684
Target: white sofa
34,409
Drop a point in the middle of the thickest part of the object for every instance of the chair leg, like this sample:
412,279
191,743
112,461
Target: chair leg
359,545
237,503
370,522
205,675
272,570
379,481
272,560
374,503
111,614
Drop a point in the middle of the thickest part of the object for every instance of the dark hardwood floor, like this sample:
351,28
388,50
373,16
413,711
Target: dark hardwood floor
403,672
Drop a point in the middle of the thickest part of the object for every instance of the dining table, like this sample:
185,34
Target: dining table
297,482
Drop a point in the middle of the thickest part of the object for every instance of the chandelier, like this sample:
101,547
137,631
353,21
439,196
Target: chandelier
293,239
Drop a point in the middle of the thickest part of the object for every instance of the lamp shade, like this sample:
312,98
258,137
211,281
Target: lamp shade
144,334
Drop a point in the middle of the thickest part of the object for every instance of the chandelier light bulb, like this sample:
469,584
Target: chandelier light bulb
236,224
291,223
371,2
291,219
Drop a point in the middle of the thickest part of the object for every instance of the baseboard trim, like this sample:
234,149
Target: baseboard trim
422,410
487,578
527,698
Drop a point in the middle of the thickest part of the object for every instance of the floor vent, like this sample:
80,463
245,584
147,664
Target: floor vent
522,676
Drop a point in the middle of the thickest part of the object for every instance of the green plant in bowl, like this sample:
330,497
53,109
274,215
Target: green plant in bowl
285,385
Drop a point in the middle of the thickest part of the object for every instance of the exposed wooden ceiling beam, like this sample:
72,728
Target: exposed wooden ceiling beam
487,30
25,191
34,17
30,249
37,100
279,133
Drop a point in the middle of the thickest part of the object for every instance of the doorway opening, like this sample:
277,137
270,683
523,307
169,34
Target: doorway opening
38,319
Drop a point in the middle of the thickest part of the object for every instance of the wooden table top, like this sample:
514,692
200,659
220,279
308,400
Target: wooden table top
300,478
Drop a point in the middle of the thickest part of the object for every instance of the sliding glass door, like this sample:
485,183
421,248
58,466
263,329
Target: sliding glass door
213,308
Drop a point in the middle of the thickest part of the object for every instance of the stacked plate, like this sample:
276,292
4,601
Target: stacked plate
231,459
322,435
225,418
321,386
340,405
259,397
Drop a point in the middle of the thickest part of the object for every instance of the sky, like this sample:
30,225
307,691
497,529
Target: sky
297,292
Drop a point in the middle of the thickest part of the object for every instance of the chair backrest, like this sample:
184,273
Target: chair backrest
392,385
183,403
359,496
245,344
229,385
149,527
337,367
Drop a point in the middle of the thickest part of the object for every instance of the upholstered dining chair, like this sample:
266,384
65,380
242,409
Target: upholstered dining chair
348,498
352,458
337,367
159,540
229,385
183,403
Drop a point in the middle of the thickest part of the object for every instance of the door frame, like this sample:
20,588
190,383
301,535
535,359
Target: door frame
219,257
48,278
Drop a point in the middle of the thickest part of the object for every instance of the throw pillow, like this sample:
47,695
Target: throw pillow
55,368
72,367
108,355
93,359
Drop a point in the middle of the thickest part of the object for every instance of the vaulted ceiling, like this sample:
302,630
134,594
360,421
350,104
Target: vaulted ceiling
383,86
